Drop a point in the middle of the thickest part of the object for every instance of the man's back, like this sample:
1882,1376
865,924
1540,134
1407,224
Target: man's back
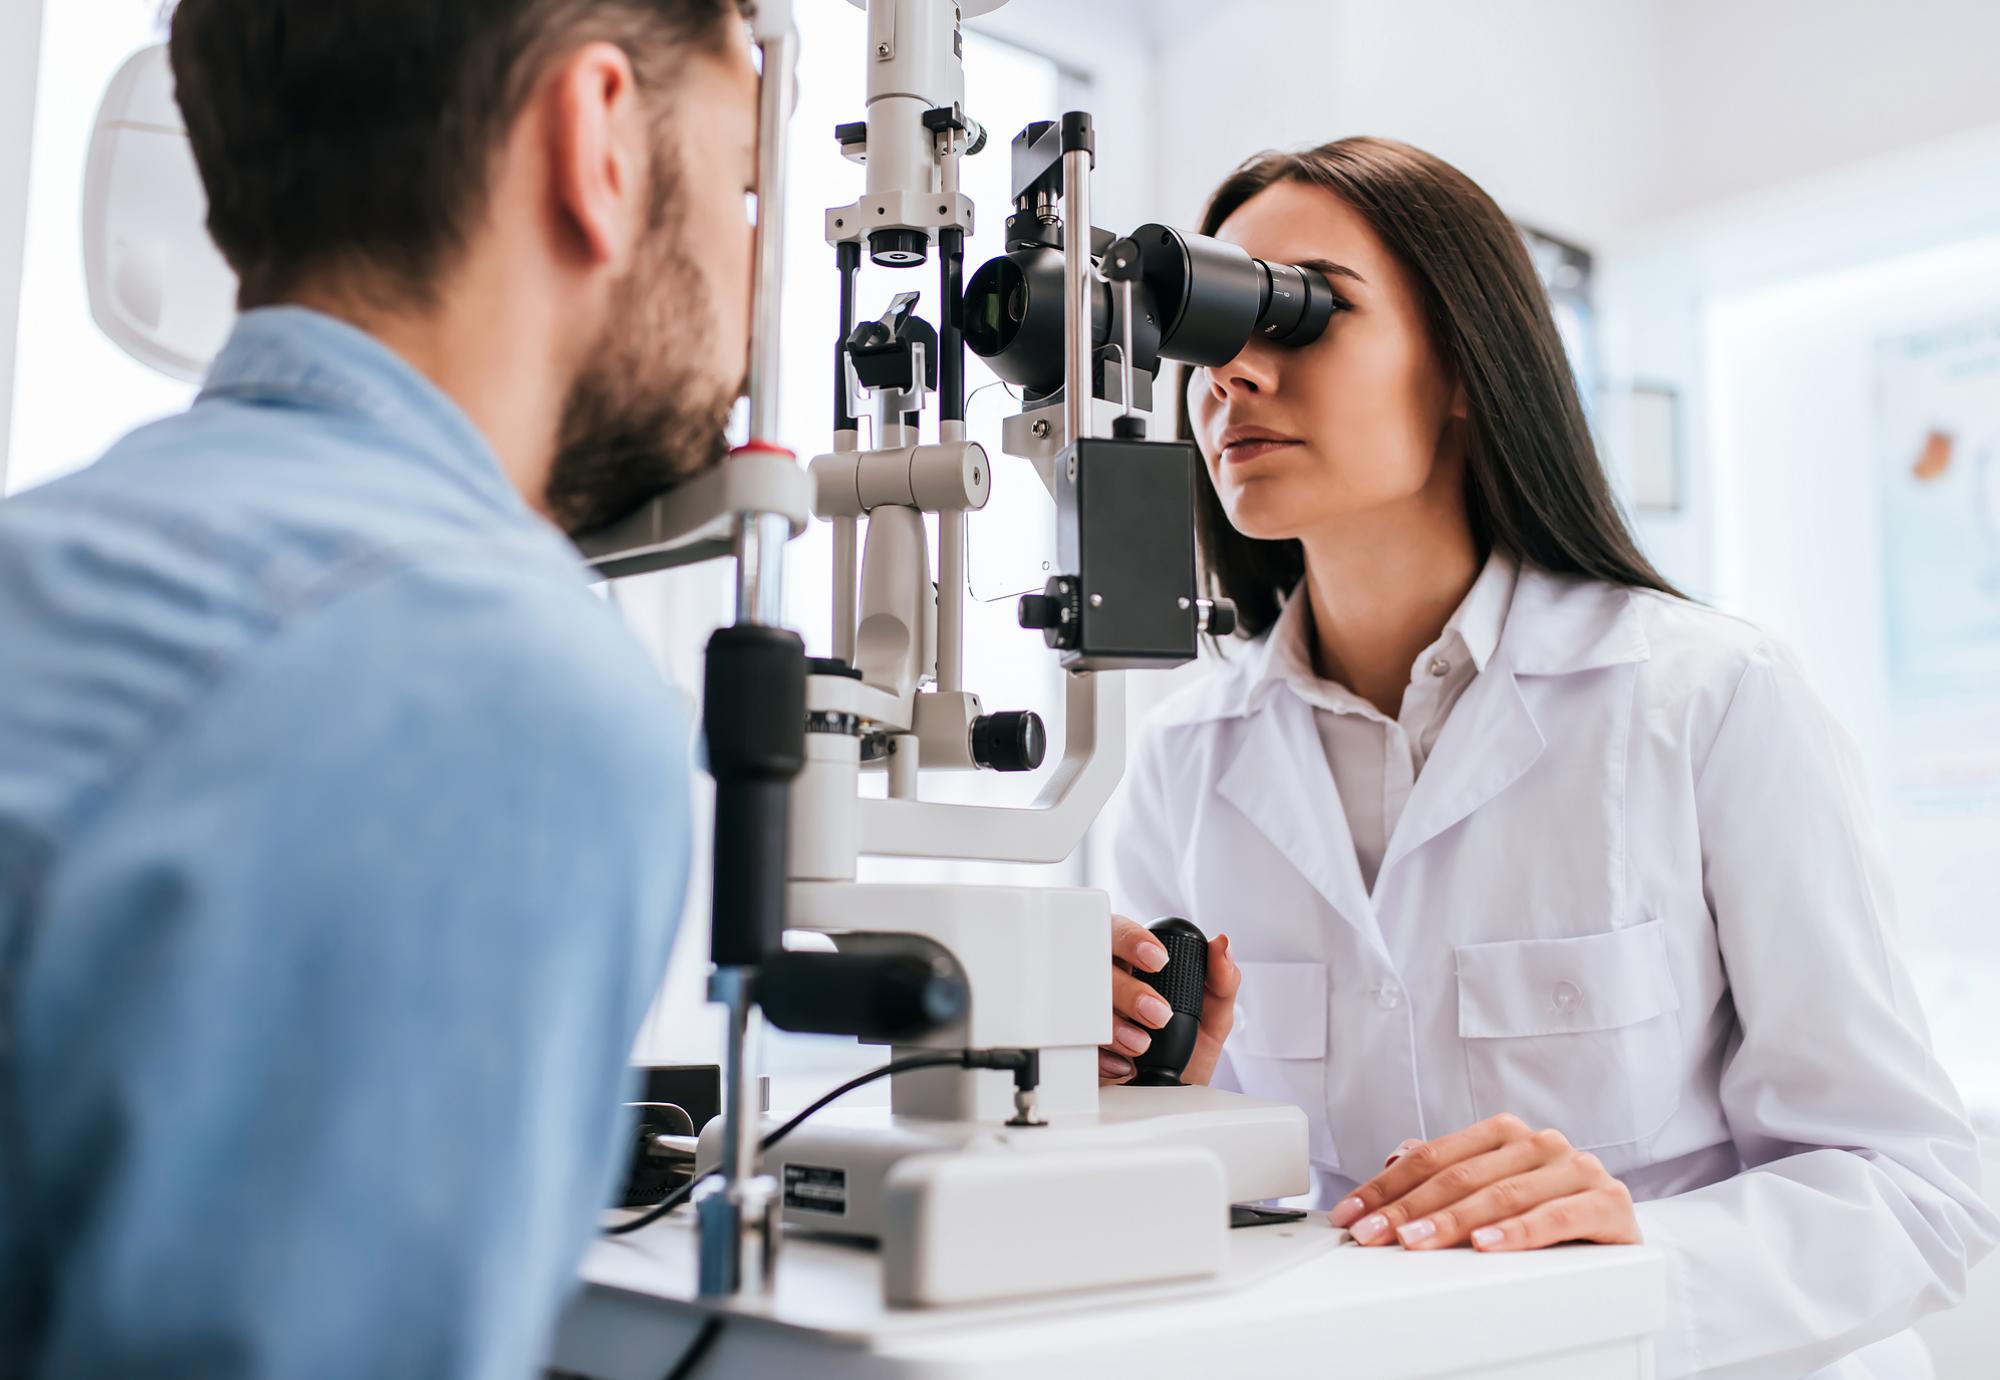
342,839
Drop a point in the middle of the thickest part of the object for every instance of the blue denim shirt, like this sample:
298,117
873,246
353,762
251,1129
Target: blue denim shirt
343,834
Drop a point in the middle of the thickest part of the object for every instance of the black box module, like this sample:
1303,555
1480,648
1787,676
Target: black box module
1125,538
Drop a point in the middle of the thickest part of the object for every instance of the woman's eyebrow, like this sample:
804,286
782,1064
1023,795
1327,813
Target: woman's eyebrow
1330,269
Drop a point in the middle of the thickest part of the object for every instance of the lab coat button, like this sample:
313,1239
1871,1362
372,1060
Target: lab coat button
1440,667
1386,996
1567,996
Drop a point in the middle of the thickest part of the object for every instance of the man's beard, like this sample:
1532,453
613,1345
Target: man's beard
644,414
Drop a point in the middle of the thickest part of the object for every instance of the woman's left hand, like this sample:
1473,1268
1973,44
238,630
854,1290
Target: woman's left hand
1500,1184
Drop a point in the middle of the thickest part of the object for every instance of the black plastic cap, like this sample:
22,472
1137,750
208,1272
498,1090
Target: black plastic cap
1042,611
898,248
1013,740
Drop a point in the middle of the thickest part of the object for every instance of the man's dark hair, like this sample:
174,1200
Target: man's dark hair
356,137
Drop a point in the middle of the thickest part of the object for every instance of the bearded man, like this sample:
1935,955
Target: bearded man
343,831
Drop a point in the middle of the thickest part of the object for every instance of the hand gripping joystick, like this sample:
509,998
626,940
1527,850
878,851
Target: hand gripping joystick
1181,982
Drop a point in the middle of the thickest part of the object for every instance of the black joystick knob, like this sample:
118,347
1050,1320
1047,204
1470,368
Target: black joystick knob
1181,982
1013,740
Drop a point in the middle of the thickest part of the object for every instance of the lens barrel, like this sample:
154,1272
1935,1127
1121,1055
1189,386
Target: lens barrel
1214,297
1206,298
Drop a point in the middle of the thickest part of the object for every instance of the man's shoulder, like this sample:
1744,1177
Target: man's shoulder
136,592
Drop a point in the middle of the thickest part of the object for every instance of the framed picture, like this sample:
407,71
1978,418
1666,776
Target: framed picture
1653,455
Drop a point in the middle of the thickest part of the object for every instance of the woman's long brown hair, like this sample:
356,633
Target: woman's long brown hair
1534,486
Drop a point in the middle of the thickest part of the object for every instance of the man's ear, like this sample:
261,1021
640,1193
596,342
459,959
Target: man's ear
597,159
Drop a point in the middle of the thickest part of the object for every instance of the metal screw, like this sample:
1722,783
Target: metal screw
1097,601
882,50
1185,605
1041,429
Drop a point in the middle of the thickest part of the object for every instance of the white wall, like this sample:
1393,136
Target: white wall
20,47
1766,91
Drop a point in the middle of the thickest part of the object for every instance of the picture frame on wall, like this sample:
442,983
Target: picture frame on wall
1654,469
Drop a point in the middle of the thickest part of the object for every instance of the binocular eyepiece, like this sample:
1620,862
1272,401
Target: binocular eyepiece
1195,299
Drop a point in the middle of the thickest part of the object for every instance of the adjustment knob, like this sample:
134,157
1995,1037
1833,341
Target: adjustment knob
1010,741
1217,617
1054,611
1040,611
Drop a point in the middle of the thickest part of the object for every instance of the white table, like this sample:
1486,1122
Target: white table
1296,1300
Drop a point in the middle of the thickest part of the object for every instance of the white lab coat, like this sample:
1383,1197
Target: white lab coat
1634,896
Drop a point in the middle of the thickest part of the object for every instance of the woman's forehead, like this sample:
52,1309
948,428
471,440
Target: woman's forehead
1290,221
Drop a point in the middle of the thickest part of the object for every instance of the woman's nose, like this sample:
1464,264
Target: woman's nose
1252,372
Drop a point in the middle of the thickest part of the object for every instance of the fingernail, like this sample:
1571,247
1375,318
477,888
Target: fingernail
1487,1236
1405,1148
1111,1066
1132,1038
1152,957
1410,1233
1347,1210
1369,1229
1154,1011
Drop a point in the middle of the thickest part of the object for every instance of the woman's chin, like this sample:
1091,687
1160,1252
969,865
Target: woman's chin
1261,519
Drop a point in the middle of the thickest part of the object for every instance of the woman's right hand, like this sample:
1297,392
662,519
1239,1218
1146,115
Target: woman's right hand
1137,1010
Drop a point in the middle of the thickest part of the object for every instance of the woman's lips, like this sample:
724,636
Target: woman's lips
1244,451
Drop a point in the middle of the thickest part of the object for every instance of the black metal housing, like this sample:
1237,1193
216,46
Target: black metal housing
1125,540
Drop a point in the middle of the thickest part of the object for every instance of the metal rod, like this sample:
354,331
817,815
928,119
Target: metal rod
774,108
951,601
903,764
1125,370
951,325
846,568
1077,289
848,257
732,1205
760,568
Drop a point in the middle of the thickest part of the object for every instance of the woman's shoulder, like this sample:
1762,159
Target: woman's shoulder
1693,665
1698,646
1706,669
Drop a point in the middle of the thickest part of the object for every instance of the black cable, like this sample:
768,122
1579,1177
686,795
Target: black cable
904,1065
704,1341
894,1066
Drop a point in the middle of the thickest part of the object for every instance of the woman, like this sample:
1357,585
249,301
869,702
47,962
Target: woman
1537,875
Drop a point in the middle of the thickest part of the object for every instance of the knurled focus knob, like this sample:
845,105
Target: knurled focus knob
1055,611
1013,740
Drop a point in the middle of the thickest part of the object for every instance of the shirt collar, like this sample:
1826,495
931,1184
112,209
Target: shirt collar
300,356
1475,625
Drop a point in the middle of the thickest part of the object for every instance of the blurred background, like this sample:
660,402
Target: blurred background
1771,229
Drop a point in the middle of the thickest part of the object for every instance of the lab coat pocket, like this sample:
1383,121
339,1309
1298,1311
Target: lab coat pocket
1580,1034
1277,1048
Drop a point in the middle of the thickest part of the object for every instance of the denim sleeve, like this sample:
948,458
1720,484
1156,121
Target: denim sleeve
326,1012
